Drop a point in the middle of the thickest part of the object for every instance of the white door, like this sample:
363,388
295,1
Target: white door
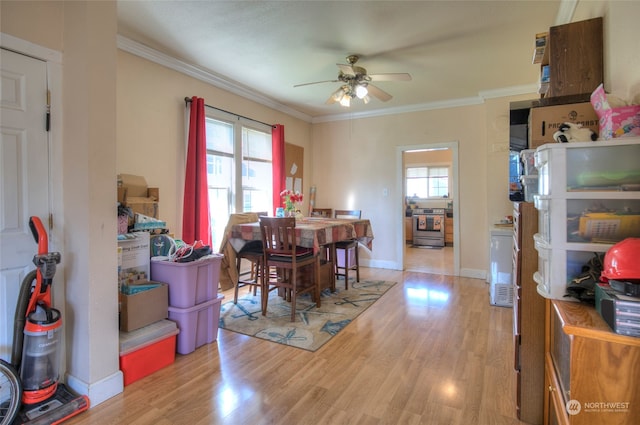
24,176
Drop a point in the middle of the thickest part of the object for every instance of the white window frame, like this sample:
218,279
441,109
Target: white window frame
236,198
447,166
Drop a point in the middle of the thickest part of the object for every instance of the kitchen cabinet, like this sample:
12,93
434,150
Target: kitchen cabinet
408,229
528,316
591,373
448,230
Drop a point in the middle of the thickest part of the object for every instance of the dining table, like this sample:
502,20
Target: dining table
311,232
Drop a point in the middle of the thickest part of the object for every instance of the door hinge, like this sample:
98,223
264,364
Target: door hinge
50,221
48,116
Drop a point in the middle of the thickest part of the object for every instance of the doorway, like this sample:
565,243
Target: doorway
438,260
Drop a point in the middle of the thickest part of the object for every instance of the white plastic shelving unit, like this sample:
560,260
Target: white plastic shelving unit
588,199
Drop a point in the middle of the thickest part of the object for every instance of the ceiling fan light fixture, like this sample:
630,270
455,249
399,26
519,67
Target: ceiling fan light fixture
345,101
361,91
366,99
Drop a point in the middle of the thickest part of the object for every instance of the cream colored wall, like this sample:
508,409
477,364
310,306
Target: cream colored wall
151,117
40,22
355,161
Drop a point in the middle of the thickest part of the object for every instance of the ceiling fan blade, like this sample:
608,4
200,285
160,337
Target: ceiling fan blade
346,69
316,82
398,76
378,93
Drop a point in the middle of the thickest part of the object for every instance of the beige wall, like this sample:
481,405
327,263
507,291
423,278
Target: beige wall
151,122
350,162
358,157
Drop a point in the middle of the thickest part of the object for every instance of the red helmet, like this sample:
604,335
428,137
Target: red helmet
621,262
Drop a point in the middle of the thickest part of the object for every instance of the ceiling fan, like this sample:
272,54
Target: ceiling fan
357,83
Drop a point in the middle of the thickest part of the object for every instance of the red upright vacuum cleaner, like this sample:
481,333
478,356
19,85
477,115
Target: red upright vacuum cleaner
37,343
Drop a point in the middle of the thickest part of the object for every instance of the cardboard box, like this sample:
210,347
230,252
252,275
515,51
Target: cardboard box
134,254
134,193
144,308
546,120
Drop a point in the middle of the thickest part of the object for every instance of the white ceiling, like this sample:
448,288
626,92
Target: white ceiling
456,51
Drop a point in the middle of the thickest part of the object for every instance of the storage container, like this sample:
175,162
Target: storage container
527,158
190,283
530,186
351,257
556,268
198,324
147,350
588,166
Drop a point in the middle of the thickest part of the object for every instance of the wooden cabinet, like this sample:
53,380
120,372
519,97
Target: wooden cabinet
448,231
408,229
574,55
591,373
528,316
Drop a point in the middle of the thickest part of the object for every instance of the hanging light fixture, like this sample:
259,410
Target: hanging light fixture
361,91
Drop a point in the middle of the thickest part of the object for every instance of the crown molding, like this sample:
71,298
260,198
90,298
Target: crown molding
146,52
566,11
143,51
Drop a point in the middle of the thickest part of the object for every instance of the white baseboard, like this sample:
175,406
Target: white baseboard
100,391
379,264
474,273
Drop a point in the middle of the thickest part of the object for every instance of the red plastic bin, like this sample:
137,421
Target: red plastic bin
198,325
156,350
190,283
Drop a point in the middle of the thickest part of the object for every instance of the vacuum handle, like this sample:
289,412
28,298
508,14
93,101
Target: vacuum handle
39,234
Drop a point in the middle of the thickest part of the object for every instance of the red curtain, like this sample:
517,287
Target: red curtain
196,220
277,154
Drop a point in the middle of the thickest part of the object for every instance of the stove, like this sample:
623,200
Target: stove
428,226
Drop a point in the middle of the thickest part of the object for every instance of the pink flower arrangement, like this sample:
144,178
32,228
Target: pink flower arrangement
291,199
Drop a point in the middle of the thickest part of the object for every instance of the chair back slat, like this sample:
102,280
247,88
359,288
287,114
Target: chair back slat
322,212
278,235
348,214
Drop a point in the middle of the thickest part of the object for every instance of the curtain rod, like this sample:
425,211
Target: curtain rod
187,100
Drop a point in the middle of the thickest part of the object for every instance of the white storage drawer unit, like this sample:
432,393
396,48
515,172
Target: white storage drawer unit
588,199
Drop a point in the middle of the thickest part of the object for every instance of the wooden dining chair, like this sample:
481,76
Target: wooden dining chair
343,250
282,253
253,253
321,212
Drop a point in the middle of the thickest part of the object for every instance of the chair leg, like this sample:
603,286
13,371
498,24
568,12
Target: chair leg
237,284
346,268
294,294
357,265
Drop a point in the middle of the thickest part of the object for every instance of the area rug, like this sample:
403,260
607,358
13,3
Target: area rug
313,327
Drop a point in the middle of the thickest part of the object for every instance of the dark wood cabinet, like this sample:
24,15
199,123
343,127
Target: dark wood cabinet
591,372
575,58
528,319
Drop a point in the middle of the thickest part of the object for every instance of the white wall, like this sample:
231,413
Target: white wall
356,156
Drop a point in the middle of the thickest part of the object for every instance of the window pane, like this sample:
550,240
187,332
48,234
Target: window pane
256,144
219,136
219,210
425,182
256,185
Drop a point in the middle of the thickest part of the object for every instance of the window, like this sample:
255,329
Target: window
427,181
239,171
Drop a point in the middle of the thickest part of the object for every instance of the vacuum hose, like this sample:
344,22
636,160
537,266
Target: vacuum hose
20,318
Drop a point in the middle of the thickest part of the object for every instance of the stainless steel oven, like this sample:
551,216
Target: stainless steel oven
428,226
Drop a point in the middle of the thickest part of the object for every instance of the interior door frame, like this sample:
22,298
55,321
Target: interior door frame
399,219
53,60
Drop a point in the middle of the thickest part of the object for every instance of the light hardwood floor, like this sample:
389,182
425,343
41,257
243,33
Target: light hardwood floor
429,260
430,351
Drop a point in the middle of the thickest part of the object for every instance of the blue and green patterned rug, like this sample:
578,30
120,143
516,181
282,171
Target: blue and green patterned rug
313,326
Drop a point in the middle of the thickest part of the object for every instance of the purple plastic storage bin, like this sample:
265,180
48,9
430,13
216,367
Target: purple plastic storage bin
191,283
198,325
